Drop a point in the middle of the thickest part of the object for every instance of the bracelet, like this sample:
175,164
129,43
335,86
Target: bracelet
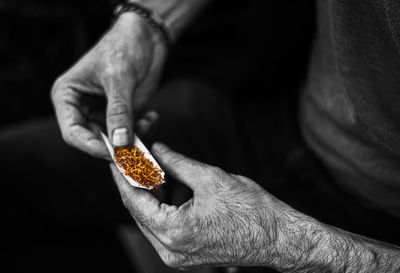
151,17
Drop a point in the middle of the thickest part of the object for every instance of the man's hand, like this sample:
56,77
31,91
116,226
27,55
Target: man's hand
124,67
229,221
233,221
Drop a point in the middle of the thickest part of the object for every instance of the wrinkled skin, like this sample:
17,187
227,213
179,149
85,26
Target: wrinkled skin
230,220
124,68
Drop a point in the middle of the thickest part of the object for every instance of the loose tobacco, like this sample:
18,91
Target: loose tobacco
132,160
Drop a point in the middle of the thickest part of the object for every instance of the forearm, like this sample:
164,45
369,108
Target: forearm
342,251
176,14
307,245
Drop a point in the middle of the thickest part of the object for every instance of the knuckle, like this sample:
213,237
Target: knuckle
216,172
169,241
71,135
173,239
114,67
57,85
113,75
117,109
110,71
67,137
126,201
177,159
171,260
213,173
57,82
241,178
216,177
180,239
171,264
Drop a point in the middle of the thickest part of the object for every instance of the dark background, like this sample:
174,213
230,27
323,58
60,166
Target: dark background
252,46
234,44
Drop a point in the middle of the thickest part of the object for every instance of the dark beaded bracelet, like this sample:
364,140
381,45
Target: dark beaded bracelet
151,17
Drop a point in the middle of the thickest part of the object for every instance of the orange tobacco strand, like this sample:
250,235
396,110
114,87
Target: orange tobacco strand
132,160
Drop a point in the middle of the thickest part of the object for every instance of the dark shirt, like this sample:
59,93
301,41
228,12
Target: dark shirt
350,107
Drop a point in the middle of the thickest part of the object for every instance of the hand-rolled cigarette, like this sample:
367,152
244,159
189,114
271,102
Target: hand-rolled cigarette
136,164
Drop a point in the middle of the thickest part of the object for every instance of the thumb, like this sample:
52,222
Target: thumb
120,116
192,173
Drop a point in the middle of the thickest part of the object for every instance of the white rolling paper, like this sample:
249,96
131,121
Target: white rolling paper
139,144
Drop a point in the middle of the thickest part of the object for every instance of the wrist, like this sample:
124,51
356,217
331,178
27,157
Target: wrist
161,7
176,14
150,17
298,240
343,251
303,244
132,28
130,45
165,9
317,247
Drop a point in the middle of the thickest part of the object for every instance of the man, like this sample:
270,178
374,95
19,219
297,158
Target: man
346,120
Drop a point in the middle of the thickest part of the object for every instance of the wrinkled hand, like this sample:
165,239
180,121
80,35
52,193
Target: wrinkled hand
229,221
124,67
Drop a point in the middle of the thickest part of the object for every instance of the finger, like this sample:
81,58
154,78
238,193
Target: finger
120,113
160,248
152,116
154,220
84,139
145,126
72,124
167,256
142,205
192,173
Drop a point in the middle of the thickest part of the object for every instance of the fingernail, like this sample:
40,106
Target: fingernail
121,137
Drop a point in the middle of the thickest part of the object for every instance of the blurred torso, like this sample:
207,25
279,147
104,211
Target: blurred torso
350,114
